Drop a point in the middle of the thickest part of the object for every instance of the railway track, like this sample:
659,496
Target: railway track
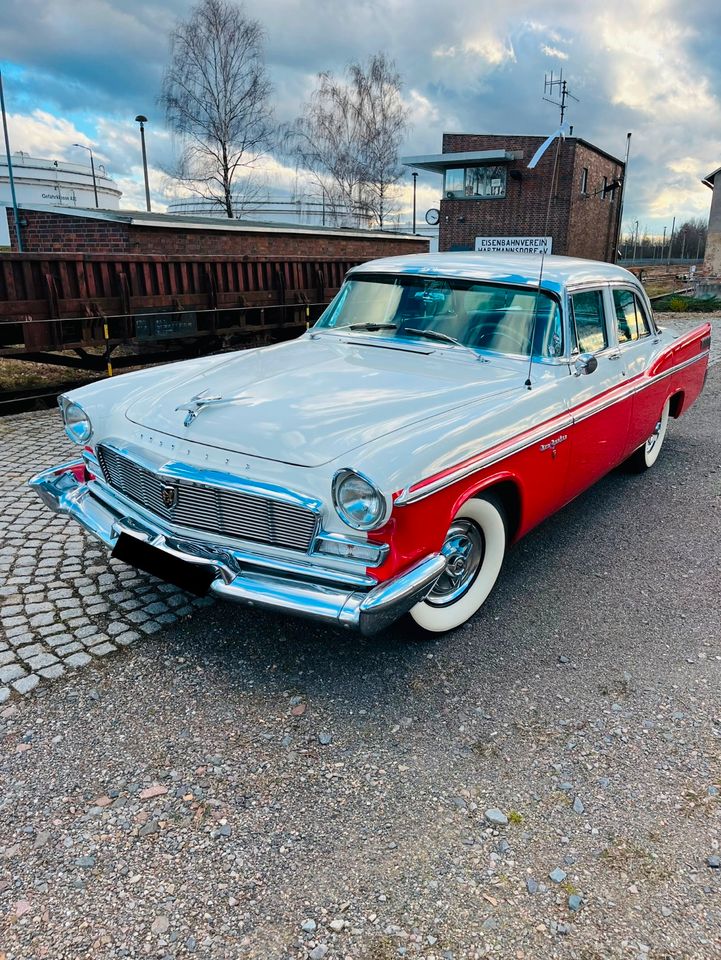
34,398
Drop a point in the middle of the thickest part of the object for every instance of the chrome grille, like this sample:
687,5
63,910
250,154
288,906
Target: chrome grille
209,508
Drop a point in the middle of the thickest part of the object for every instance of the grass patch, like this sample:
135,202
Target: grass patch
634,859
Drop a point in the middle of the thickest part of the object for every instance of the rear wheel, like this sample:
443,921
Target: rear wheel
645,457
474,547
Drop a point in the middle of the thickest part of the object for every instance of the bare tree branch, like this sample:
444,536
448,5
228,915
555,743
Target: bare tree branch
349,136
216,94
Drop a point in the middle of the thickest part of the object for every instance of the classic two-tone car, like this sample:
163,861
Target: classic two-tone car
383,462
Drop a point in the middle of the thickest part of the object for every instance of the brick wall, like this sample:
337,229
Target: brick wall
47,232
238,243
594,221
579,226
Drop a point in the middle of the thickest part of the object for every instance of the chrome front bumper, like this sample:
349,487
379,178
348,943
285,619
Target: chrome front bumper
240,576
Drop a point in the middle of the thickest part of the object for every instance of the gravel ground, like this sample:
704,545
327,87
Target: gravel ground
544,782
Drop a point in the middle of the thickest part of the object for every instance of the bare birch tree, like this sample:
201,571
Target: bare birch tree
349,136
216,94
383,122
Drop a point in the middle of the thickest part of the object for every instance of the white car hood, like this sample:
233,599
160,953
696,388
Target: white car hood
309,401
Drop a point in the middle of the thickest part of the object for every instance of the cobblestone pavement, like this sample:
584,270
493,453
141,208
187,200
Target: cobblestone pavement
63,602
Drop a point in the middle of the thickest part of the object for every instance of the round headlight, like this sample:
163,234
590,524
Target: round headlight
357,502
77,423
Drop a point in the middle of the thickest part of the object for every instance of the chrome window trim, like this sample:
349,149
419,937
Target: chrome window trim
407,495
531,287
646,304
589,288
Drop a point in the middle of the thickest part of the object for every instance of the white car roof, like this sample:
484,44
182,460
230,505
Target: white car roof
518,268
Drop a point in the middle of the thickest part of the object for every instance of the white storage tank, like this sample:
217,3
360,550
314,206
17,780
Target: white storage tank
57,183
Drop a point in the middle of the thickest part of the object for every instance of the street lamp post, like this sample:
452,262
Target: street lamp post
415,181
143,120
92,167
635,240
670,242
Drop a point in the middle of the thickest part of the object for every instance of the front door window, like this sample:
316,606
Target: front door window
590,321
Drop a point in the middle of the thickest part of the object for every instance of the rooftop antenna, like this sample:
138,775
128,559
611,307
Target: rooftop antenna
528,383
551,84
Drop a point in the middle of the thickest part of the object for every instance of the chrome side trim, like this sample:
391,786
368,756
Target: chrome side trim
679,366
408,495
541,433
633,388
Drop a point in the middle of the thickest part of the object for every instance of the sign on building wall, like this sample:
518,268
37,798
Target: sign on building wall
514,244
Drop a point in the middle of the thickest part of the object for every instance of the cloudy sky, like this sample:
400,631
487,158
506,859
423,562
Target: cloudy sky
80,71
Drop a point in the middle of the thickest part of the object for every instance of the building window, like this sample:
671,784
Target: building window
584,180
455,182
475,183
605,188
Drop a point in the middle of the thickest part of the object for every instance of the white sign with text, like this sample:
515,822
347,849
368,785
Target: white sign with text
514,244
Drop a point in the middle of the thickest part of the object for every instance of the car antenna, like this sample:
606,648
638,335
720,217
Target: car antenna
550,85
533,324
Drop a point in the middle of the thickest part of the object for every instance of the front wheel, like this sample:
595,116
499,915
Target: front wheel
474,547
645,457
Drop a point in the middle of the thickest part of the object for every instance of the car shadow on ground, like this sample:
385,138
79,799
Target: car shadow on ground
561,583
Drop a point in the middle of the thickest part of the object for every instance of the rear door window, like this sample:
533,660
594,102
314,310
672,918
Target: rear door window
631,320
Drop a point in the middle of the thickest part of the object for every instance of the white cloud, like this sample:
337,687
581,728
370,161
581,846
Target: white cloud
45,136
553,52
648,68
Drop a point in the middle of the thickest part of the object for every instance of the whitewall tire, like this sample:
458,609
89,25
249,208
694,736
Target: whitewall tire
475,546
645,457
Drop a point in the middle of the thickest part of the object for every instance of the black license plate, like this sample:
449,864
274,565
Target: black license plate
194,577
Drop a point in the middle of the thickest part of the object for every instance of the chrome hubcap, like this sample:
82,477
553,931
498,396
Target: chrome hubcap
653,439
463,550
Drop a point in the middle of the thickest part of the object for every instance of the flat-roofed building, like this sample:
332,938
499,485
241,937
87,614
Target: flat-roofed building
569,203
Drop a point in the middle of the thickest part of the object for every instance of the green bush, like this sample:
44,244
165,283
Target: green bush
680,304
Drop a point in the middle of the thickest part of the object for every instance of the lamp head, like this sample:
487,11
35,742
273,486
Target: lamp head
141,119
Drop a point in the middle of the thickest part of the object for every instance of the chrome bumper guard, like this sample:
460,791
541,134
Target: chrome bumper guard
367,610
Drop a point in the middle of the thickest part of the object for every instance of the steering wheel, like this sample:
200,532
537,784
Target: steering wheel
513,338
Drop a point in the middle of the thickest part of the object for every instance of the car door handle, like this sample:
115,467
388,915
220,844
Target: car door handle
616,355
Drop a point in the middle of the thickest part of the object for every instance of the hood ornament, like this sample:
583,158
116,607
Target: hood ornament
196,404
202,399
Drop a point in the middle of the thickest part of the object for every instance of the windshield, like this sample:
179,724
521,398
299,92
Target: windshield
483,316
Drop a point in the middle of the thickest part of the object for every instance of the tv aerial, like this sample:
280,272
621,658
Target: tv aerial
559,86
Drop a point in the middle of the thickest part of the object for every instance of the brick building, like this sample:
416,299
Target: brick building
489,192
75,230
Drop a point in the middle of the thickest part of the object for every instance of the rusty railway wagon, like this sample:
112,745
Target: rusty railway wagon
78,309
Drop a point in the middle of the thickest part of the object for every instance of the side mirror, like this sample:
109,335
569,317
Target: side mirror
585,363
